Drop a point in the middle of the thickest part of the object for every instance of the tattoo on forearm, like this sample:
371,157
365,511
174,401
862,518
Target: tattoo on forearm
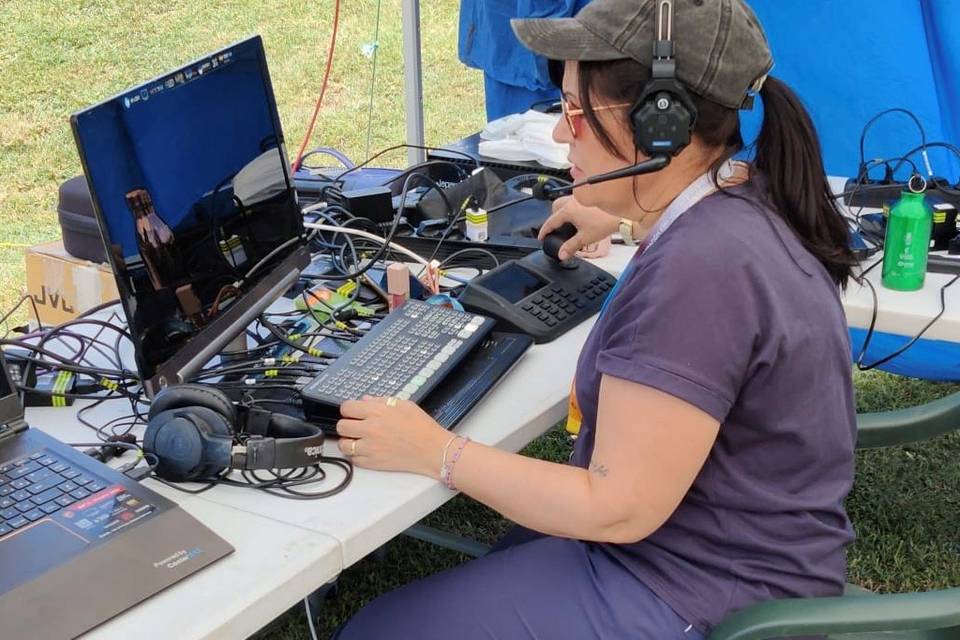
599,469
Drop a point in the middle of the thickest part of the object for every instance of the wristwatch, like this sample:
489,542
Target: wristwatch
626,232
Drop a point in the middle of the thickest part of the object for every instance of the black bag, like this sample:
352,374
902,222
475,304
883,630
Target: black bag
78,223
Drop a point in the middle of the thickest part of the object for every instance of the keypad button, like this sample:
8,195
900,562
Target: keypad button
23,470
68,486
18,522
4,529
50,507
46,496
33,515
37,476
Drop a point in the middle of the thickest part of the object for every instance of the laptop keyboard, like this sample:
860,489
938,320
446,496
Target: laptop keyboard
40,485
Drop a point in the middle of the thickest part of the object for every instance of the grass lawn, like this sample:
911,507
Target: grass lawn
56,58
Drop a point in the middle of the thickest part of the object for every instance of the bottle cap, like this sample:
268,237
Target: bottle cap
917,183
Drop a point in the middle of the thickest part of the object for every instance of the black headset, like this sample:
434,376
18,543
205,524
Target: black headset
664,115
193,434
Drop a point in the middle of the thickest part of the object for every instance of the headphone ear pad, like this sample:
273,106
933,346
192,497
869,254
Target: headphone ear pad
194,395
190,443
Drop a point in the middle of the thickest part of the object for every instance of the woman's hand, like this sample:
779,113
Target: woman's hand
594,226
398,436
596,250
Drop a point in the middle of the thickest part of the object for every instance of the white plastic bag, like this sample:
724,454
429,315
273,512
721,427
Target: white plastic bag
524,137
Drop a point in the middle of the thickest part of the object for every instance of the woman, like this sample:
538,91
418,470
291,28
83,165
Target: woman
717,426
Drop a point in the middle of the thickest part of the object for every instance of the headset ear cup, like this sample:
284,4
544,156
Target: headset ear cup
194,395
190,443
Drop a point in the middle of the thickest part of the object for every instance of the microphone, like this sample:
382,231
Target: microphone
541,191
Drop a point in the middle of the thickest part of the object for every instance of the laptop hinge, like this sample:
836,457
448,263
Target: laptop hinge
12,427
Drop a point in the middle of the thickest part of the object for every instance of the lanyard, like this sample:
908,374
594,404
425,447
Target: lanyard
694,193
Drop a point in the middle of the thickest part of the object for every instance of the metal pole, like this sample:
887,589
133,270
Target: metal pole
413,79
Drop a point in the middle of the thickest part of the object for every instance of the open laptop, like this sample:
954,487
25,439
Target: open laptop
80,542
190,182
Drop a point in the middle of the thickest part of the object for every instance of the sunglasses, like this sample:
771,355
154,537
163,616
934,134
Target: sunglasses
573,116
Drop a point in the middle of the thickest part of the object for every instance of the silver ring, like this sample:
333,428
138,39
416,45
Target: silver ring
353,447
392,401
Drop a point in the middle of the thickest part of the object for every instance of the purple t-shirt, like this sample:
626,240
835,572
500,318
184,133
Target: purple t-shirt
730,313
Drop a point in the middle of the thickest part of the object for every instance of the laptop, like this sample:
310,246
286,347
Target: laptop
80,542
193,195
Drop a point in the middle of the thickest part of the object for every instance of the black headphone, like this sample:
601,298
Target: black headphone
664,115
193,435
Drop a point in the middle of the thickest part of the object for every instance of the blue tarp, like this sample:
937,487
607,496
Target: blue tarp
936,360
849,60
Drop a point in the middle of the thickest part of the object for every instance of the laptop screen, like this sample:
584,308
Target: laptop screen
191,185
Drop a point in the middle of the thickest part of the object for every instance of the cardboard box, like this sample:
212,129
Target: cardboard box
63,286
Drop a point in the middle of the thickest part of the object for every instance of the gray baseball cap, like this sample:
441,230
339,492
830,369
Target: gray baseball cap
721,51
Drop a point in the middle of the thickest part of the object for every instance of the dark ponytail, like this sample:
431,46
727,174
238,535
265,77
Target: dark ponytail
788,156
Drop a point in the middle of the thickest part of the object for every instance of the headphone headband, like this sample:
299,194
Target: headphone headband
287,443
664,115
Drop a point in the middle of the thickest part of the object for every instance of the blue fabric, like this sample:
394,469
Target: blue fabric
534,587
935,360
503,99
514,77
849,60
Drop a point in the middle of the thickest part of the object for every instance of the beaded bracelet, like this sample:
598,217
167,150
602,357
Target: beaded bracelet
443,457
444,465
448,476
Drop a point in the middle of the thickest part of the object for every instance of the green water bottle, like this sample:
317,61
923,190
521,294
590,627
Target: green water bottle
907,242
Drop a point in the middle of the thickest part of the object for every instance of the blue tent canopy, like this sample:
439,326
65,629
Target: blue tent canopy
850,60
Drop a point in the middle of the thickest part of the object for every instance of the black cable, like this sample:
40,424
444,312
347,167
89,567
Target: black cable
934,144
450,259
473,159
23,298
866,127
873,322
282,483
423,165
383,248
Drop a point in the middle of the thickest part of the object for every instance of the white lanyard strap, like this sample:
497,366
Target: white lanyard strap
694,193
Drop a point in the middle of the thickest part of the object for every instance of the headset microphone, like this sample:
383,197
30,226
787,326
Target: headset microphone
543,192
